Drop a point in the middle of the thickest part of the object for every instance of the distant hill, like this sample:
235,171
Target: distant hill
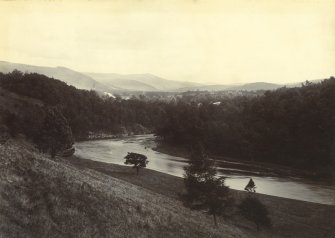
110,82
66,75
101,82
216,87
140,82
123,82
244,87
256,86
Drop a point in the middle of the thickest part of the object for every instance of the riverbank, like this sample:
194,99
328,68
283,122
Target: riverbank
237,173
74,197
228,165
263,168
247,166
124,132
290,218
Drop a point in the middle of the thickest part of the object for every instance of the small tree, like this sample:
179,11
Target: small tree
137,160
204,190
253,210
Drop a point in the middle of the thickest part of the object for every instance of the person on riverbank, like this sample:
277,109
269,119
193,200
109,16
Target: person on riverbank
250,186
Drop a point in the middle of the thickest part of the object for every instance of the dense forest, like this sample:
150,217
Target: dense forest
289,126
84,110
293,126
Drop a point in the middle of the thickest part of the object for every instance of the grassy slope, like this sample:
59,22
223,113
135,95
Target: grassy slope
81,198
45,198
290,218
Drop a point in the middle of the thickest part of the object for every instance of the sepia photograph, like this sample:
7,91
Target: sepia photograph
167,118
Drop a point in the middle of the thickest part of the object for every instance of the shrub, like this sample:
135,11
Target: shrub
253,210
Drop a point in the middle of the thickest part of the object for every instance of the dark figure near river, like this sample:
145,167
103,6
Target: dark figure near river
250,186
138,160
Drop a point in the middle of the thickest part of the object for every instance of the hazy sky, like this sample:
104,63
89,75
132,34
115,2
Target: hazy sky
205,41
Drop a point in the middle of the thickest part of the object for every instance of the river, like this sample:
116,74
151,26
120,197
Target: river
113,151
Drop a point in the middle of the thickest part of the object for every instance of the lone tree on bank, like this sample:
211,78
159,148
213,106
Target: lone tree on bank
204,190
253,210
137,160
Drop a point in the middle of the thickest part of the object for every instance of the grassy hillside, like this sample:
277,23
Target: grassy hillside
45,198
81,198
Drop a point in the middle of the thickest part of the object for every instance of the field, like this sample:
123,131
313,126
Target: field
74,197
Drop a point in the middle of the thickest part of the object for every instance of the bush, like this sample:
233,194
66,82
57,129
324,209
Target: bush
253,210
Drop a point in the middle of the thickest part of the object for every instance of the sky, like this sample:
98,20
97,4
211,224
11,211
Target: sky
205,41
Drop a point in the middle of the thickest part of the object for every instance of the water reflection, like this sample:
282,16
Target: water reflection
113,151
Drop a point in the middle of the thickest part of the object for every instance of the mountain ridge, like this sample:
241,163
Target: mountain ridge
140,82
113,82
64,74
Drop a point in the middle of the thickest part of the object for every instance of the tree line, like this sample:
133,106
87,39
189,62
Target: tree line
288,126
85,111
